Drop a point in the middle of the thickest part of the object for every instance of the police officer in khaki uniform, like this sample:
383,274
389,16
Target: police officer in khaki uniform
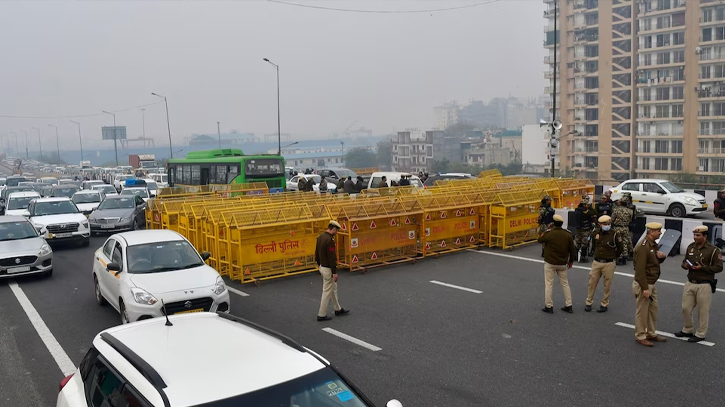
326,258
702,261
647,259
608,246
559,255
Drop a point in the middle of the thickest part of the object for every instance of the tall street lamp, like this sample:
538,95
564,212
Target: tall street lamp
80,139
342,151
279,131
115,135
57,143
219,133
27,155
40,145
16,141
168,126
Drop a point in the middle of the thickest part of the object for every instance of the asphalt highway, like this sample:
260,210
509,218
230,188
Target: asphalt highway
485,343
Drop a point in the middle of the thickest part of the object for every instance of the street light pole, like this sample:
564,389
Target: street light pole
16,142
342,159
80,139
40,145
553,108
115,135
168,126
279,126
57,143
27,155
219,133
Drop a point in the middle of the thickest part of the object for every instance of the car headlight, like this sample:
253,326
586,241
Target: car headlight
92,220
124,220
691,201
219,287
45,250
143,297
85,224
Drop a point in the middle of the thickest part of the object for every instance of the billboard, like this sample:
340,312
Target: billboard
107,132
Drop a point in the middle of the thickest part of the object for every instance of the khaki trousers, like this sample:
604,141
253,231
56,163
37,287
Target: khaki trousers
600,270
549,271
700,296
329,291
645,319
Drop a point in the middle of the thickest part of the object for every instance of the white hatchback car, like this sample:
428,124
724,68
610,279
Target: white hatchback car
189,360
140,272
18,202
661,196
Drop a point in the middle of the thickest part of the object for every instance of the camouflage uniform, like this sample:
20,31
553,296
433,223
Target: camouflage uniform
586,215
546,214
621,218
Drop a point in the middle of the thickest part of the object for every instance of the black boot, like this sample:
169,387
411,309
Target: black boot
583,258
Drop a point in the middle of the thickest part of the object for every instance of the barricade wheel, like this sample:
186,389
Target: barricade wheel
438,255
257,282
414,261
365,270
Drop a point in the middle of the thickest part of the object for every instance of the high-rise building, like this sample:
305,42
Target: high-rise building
639,86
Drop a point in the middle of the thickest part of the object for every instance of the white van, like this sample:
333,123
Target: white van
376,177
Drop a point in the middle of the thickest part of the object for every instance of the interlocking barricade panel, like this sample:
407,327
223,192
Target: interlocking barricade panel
193,216
376,232
570,193
514,218
551,187
270,242
171,209
489,174
449,223
229,190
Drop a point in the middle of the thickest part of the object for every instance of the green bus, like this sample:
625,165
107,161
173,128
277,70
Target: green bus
227,166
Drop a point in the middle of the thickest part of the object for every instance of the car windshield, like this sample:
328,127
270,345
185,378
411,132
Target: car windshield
9,191
13,182
86,198
20,202
151,185
138,192
162,256
67,192
49,181
120,203
321,388
107,189
54,208
16,231
672,188
345,173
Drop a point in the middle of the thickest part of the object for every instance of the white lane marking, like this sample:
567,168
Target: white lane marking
61,358
237,292
576,267
667,334
352,339
458,287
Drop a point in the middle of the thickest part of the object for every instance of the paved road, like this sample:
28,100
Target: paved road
441,346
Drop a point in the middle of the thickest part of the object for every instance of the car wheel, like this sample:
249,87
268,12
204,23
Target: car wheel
124,314
99,296
48,273
677,211
135,224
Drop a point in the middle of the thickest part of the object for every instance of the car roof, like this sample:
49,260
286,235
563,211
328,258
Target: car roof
646,180
117,196
12,219
393,174
54,199
87,192
167,349
149,236
23,194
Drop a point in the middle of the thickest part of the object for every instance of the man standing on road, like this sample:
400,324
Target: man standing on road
647,259
719,206
326,258
585,216
607,248
604,207
703,261
559,255
546,214
621,218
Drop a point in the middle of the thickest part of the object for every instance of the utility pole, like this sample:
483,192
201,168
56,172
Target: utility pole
143,126
115,135
57,143
171,152
27,155
40,144
553,108
219,133
279,126
80,139
342,151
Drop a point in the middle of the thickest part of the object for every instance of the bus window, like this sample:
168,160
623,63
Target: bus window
264,167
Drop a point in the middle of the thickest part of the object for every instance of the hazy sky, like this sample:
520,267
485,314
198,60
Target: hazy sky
385,71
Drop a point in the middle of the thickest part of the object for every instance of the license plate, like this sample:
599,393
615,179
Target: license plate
704,206
18,269
190,311
60,235
106,226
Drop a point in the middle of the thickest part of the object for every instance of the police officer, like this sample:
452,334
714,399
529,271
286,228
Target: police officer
621,218
604,207
302,184
404,181
647,261
326,258
608,246
585,216
702,261
719,205
546,214
559,256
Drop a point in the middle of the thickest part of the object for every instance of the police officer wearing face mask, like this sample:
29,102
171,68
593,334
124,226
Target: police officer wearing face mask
608,246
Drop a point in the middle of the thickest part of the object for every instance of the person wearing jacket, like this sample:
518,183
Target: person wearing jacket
585,218
349,186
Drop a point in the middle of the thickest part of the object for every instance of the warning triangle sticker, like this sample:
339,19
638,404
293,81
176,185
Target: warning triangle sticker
247,272
354,259
443,243
471,239
344,226
458,213
373,225
297,263
471,212
427,246
458,241
393,222
427,216
407,220
374,256
443,215
354,227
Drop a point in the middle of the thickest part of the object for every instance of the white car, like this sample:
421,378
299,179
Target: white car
161,179
178,362
151,186
140,272
120,180
59,220
292,183
137,191
88,200
105,188
661,196
18,202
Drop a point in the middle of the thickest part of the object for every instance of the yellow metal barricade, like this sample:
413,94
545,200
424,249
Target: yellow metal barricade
449,223
376,232
570,193
514,218
489,174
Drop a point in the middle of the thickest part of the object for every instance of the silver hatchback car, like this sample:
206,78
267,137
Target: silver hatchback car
23,250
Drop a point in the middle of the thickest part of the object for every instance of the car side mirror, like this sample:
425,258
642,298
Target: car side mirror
114,267
26,214
205,256
394,403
